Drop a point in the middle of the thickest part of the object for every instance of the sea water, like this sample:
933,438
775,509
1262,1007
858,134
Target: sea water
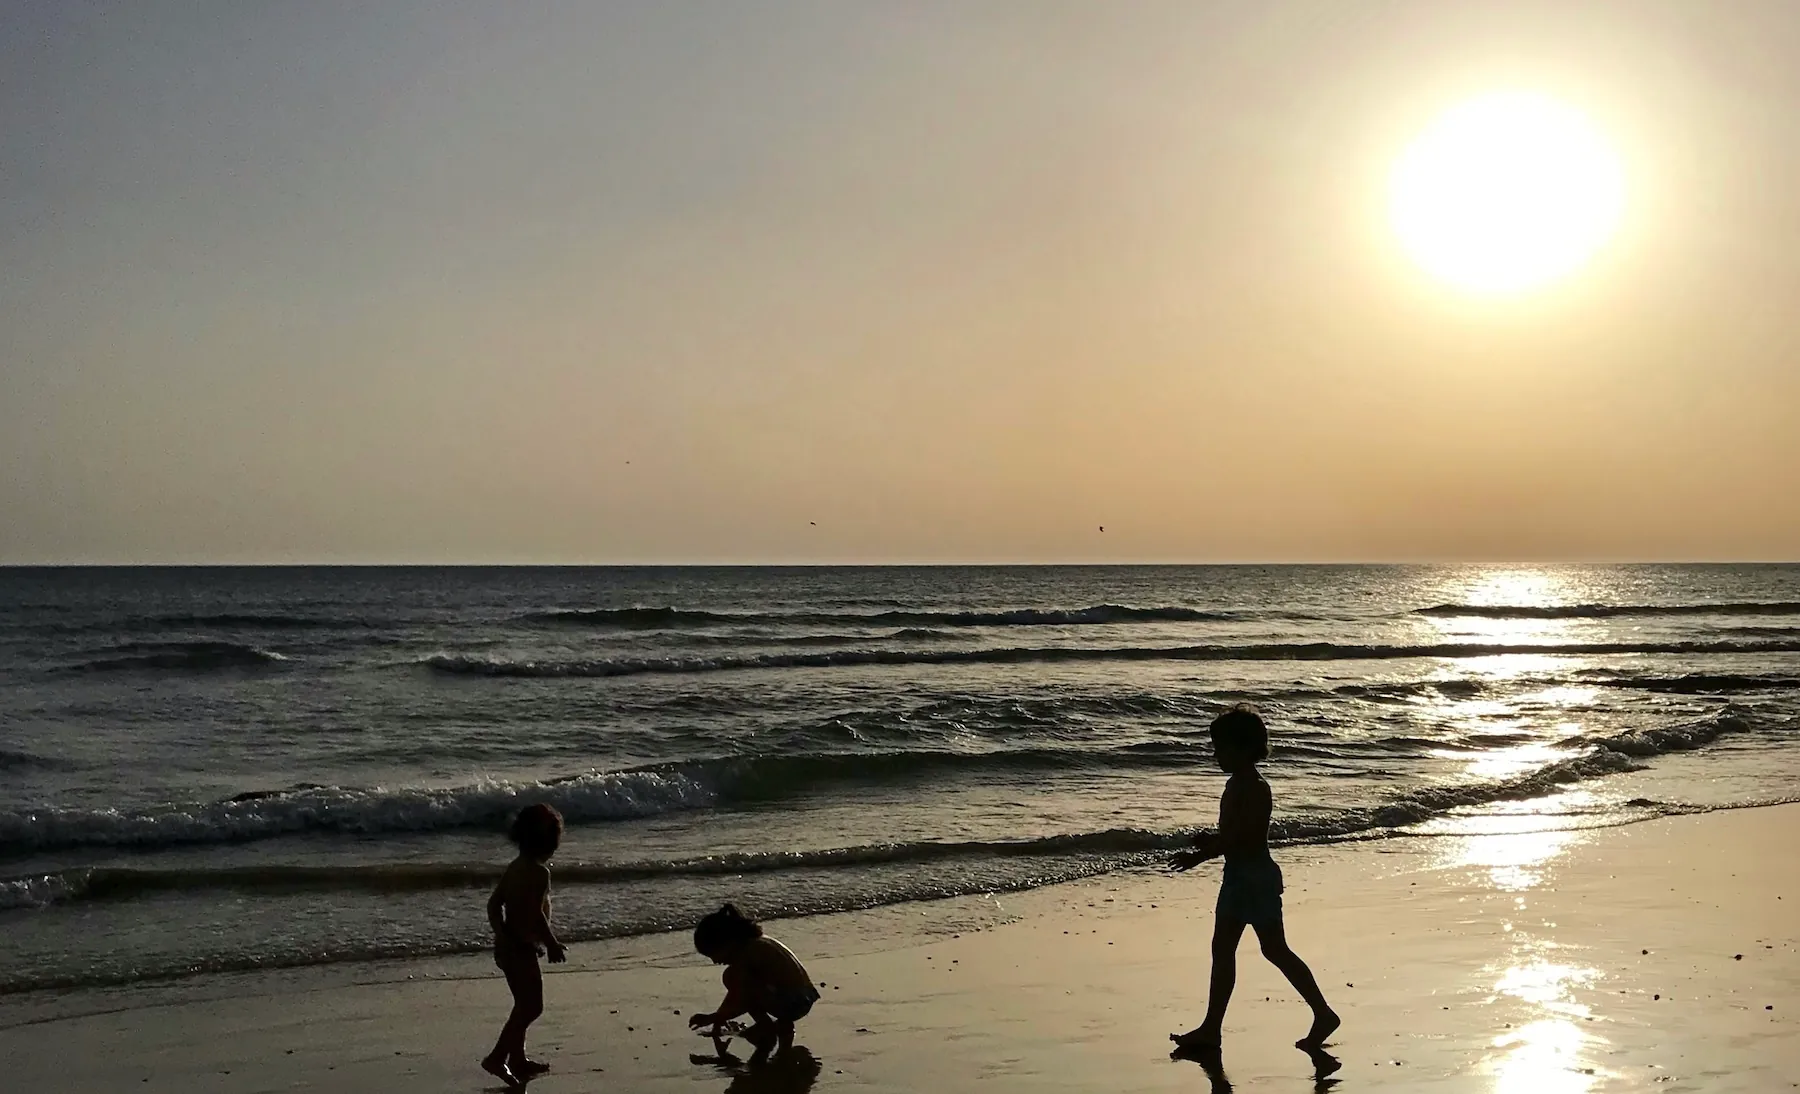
215,769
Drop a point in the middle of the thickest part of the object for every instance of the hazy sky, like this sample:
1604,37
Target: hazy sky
583,282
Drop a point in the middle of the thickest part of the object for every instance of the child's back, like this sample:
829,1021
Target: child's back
774,964
520,899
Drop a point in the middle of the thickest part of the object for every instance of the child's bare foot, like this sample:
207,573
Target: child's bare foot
496,1067
527,1069
1325,1023
1325,1065
1198,1037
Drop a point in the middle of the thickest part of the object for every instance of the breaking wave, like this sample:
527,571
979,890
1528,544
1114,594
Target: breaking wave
461,665
178,656
664,788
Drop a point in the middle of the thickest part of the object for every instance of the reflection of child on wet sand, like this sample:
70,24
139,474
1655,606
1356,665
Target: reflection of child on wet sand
519,912
762,979
1251,891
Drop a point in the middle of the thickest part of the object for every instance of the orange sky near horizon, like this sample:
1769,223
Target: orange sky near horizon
875,283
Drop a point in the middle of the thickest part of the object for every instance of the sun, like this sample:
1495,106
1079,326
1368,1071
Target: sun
1506,193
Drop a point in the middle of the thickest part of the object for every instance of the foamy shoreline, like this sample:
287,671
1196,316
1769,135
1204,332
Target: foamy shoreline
1503,962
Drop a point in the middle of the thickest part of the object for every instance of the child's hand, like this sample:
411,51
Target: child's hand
1185,860
699,1020
558,953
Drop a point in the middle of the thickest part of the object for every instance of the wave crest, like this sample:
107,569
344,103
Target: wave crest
666,618
1702,683
179,657
1607,611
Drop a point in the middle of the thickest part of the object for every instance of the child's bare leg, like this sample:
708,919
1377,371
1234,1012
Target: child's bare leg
762,1035
1226,934
784,1036
527,983
1274,947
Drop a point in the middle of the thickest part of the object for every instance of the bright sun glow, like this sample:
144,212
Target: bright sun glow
1504,193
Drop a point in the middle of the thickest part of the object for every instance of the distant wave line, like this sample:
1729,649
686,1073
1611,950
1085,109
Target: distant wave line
1607,611
653,618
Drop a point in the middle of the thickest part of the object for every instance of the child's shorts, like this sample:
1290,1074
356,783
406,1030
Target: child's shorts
791,1005
1251,891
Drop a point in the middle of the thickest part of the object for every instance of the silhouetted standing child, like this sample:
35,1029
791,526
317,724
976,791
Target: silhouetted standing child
519,912
762,979
1251,891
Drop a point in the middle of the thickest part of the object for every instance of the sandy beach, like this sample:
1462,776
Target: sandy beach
1659,955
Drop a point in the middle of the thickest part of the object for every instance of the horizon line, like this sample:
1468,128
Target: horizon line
884,564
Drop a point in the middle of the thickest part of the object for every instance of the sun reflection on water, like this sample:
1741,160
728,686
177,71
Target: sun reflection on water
1512,588
1542,1057
1509,587
1553,1050
1504,763
1515,860
1516,842
1549,1045
1547,1055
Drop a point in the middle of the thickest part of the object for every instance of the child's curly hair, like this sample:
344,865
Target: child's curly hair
537,830
1242,728
725,928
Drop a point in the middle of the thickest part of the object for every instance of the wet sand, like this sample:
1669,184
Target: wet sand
1659,956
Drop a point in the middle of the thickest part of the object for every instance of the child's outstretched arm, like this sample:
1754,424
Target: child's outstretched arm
734,1005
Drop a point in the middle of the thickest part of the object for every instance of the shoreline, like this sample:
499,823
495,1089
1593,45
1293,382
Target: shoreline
1577,960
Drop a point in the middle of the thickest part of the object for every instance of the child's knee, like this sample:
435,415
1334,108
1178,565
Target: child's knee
1276,950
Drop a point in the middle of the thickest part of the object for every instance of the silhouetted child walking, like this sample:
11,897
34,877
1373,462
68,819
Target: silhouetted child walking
762,979
1251,891
519,912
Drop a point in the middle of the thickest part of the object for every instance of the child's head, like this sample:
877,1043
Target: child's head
1240,738
538,831
720,934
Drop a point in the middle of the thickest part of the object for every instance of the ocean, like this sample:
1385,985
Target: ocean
205,770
